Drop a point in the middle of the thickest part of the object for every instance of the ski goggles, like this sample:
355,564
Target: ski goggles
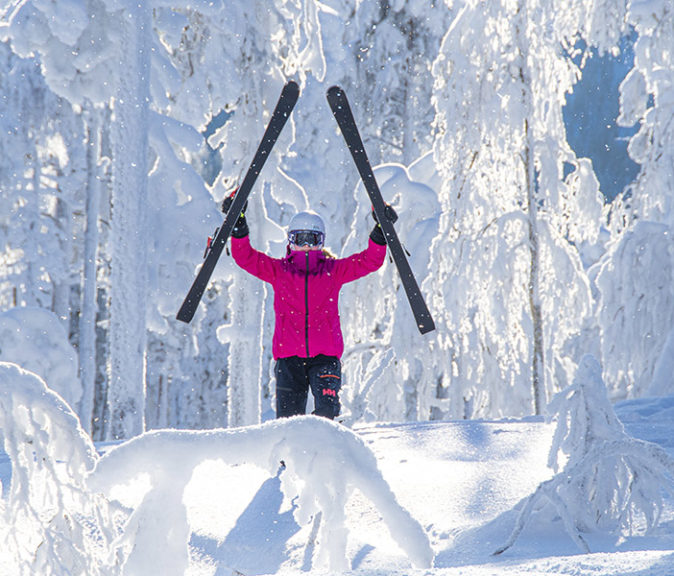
306,238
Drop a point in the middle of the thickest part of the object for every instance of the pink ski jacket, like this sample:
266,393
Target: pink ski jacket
306,292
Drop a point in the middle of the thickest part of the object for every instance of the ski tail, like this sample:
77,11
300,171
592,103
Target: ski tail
342,113
279,117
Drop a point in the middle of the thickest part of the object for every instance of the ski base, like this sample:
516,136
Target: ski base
279,117
347,124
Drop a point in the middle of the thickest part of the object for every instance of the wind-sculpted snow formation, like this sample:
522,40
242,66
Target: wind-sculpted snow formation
61,516
611,482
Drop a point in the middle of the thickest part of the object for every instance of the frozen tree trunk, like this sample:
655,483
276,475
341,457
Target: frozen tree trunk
245,353
410,148
411,392
246,356
126,394
61,294
87,327
538,359
28,296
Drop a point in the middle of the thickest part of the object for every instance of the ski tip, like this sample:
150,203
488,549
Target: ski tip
335,91
291,90
337,99
290,94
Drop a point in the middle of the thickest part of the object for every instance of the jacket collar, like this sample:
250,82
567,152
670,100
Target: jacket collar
299,258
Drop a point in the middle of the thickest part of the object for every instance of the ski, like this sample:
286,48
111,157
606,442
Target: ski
279,117
342,112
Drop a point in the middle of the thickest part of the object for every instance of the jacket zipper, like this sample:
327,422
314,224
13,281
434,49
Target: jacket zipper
306,304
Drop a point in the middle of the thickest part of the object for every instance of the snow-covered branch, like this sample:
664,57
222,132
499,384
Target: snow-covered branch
62,514
611,482
319,479
51,522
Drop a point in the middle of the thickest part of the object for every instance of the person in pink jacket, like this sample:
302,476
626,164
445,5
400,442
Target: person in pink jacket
307,343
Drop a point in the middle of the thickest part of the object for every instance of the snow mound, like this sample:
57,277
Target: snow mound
325,463
70,511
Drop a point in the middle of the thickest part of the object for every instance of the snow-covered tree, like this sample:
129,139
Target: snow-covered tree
611,482
511,294
68,44
51,523
35,339
395,44
636,306
42,189
85,60
387,372
635,280
50,178
88,308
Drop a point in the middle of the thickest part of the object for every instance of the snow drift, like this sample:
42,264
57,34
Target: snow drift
64,493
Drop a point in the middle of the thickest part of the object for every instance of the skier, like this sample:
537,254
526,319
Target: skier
307,343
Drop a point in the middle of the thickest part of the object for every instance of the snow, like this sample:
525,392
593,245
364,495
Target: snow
104,115
332,458
35,339
437,90
432,498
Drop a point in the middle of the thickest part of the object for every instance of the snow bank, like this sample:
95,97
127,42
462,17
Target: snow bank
62,509
325,463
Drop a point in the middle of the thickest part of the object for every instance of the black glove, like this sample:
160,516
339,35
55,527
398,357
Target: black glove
377,234
227,202
240,229
389,212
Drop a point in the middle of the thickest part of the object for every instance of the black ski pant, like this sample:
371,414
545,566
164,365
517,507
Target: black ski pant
295,376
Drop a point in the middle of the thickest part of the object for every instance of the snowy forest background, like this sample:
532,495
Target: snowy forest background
528,150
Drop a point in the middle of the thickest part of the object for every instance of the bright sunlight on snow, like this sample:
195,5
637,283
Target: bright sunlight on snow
525,149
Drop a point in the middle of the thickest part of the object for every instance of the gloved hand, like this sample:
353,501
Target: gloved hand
240,229
227,202
389,212
377,234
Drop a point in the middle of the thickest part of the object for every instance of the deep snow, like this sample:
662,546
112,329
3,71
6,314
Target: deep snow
460,480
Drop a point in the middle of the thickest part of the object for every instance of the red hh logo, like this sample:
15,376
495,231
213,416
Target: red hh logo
328,392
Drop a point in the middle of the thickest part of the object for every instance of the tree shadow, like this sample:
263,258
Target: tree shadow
258,542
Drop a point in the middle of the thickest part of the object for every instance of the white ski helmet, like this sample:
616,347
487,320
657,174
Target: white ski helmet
307,221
